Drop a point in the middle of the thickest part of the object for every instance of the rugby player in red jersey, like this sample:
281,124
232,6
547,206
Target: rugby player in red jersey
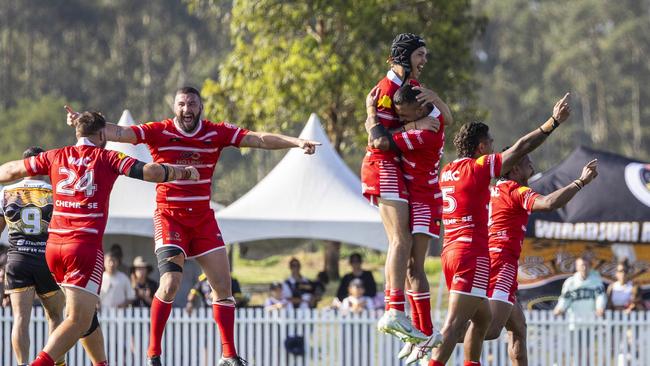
511,203
383,182
185,225
82,177
421,151
465,258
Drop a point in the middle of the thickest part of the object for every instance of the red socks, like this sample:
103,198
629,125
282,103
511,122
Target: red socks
471,363
436,363
397,300
43,359
415,318
224,315
422,302
103,363
160,311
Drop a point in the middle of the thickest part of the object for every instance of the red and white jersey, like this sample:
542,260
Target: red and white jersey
421,154
171,145
82,179
386,111
465,186
510,206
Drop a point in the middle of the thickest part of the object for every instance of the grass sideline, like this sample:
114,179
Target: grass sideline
255,275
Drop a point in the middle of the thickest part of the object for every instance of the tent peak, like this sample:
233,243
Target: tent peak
126,119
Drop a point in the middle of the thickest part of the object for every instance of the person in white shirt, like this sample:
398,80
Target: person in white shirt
116,291
583,293
356,302
624,294
275,300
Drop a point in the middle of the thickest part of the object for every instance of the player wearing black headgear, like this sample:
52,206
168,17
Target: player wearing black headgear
403,47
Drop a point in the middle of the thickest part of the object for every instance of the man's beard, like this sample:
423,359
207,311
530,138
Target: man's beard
184,125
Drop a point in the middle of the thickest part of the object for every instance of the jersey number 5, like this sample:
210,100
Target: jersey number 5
449,202
70,184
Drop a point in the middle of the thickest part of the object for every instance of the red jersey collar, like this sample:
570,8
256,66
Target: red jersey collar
192,134
392,76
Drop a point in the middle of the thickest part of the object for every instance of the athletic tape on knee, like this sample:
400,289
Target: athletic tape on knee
93,325
226,301
164,264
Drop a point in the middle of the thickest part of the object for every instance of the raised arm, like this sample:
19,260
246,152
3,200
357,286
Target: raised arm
562,196
12,170
532,140
274,141
160,173
113,132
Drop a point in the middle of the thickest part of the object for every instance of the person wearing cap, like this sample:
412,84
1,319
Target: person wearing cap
383,182
275,301
143,286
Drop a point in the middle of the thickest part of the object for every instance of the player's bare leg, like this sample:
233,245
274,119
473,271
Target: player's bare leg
21,308
501,312
516,326
419,286
461,309
53,303
170,264
480,322
93,344
216,267
395,217
81,306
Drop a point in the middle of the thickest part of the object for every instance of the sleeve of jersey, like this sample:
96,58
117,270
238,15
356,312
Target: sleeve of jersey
146,132
526,198
39,164
231,135
412,140
121,162
488,166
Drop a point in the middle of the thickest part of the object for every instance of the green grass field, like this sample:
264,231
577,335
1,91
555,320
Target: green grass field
256,275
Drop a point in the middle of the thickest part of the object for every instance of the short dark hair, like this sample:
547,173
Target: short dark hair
355,257
405,95
32,151
89,123
188,90
469,137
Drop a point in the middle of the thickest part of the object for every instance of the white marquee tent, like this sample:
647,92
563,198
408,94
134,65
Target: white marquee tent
304,196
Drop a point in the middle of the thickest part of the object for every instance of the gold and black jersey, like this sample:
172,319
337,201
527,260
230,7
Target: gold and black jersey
27,209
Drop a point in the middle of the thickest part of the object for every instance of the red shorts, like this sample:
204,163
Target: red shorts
503,277
466,271
194,231
382,179
76,265
426,218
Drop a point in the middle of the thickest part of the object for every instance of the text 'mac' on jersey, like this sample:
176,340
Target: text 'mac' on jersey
386,110
510,207
27,209
465,186
201,149
82,176
420,161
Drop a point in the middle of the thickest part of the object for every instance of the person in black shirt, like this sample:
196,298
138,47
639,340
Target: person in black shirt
143,286
369,285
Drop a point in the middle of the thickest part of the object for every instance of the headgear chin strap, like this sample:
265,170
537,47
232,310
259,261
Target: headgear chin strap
402,49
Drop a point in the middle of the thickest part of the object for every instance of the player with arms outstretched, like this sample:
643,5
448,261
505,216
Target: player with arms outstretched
82,177
184,223
511,203
382,177
465,258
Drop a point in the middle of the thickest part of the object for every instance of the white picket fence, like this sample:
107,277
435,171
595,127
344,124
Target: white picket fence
333,339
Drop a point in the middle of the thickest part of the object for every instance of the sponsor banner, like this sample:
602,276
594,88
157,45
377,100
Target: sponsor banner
545,264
